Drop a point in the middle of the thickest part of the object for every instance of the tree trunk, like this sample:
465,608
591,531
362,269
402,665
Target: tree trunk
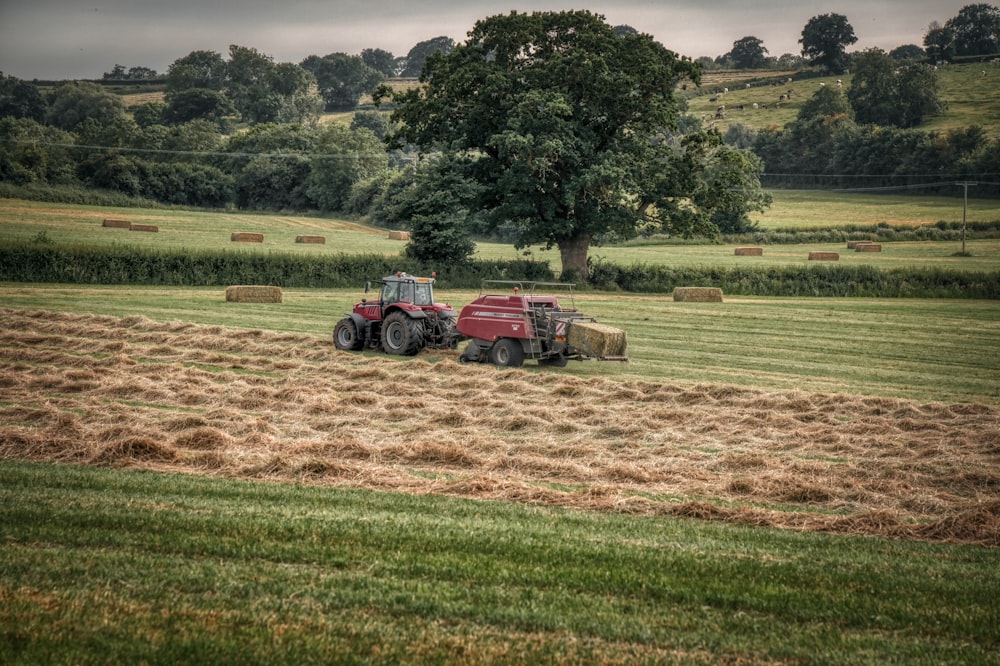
573,252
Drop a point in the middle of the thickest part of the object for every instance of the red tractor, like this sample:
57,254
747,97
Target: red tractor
508,327
404,319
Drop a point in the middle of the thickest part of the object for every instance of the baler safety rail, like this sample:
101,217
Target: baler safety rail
527,288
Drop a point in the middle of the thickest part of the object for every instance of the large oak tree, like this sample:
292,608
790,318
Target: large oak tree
565,126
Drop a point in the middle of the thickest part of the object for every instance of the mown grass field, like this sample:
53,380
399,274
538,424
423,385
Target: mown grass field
767,480
23,221
385,510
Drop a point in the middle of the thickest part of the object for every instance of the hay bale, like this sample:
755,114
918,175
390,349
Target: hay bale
399,235
597,339
868,247
144,227
749,252
320,240
253,294
853,245
824,256
112,223
246,237
698,294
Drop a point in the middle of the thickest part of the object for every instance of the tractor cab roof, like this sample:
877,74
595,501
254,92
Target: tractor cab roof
406,277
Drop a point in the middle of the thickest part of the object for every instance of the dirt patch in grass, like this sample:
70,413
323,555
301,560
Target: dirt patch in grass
137,393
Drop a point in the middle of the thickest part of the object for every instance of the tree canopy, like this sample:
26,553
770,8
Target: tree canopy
418,55
566,128
884,92
342,79
824,39
976,30
748,53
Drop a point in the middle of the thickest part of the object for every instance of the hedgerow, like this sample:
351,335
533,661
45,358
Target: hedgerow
820,280
40,262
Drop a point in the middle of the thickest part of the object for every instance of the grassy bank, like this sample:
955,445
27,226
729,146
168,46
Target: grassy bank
117,566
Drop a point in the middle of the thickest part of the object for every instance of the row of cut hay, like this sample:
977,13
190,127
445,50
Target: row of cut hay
749,252
824,256
253,294
597,339
304,429
698,294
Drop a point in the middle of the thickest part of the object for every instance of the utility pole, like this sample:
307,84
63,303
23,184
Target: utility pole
965,208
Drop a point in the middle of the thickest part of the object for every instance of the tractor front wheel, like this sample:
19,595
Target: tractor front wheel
345,335
402,335
507,353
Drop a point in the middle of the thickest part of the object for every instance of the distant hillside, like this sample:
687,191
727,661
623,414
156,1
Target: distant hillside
971,96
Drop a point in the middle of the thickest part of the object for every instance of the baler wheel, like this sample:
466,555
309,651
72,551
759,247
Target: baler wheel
507,353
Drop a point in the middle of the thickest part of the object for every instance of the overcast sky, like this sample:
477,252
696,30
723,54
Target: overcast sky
71,39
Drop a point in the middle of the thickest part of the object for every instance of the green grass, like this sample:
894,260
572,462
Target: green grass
924,349
105,566
24,221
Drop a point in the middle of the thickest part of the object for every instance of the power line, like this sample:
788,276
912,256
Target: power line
204,153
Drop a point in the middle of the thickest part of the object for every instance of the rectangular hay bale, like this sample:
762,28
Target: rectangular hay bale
253,294
319,240
749,252
698,294
853,245
113,223
144,227
824,256
597,339
399,235
246,237
868,247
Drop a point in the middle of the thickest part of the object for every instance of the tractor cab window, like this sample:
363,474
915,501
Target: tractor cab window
390,293
422,294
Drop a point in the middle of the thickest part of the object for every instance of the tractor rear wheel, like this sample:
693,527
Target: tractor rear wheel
402,335
346,337
507,353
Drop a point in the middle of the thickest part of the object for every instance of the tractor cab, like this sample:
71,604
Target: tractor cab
403,288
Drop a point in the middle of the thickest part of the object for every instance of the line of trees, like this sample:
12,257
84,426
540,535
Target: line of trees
973,32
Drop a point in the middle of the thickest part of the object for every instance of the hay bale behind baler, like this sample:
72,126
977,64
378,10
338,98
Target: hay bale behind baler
698,294
253,294
596,339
